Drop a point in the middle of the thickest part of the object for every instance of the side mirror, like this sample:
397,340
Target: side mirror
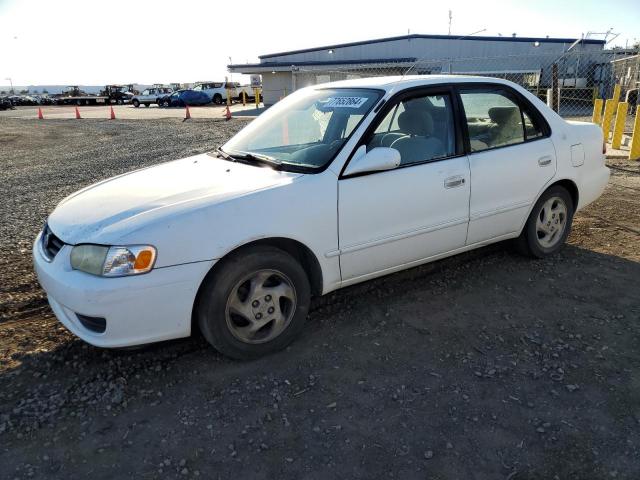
378,159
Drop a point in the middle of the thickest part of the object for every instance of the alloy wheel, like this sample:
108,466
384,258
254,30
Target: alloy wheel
260,306
551,222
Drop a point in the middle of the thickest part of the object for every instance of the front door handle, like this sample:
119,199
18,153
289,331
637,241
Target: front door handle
455,181
544,161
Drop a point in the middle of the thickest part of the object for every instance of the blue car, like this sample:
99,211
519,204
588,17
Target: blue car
180,98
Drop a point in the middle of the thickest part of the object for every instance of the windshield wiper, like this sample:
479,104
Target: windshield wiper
258,158
225,155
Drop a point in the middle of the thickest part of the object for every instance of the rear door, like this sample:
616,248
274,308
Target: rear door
511,159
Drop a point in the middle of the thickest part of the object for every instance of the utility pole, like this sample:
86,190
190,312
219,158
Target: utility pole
450,17
11,82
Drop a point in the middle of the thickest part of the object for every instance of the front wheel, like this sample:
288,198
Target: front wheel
548,225
217,99
254,303
136,103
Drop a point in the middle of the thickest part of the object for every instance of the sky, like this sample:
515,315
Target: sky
97,42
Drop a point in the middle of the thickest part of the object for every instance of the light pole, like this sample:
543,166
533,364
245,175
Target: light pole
11,82
231,73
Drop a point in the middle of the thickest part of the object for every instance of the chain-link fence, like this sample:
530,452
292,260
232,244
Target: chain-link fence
569,83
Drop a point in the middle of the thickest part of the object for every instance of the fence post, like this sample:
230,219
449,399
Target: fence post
597,111
609,108
554,88
618,126
634,151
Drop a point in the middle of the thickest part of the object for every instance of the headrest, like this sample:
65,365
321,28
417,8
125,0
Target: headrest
503,115
416,122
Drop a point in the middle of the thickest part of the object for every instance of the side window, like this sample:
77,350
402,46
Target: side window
493,119
531,128
420,128
146,92
197,88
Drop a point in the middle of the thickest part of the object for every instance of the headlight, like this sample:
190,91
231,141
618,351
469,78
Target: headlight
113,261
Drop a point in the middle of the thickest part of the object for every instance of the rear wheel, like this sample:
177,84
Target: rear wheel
217,99
136,103
548,225
254,303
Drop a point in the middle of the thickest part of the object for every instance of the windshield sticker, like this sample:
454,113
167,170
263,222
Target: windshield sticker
345,102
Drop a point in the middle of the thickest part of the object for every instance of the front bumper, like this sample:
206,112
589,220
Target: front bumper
139,309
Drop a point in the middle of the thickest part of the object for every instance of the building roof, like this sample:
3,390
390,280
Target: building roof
436,37
321,63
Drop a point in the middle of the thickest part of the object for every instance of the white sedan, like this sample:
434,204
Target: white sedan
334,185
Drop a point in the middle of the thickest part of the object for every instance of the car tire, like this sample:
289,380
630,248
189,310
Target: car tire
217,99
548,225
146,105
136,103
119,101
253,303
165,104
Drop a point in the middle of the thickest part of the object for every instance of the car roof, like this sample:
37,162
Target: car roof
408,81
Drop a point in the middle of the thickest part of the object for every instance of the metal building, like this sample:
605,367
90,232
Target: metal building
527,57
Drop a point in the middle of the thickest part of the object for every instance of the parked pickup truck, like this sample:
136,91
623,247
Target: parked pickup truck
150,95
217,91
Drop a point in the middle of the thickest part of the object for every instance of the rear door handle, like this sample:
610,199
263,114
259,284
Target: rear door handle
455,181
544,161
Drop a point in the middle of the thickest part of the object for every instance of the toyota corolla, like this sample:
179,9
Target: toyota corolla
334,185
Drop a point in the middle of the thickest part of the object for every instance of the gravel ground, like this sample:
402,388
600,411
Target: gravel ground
486,365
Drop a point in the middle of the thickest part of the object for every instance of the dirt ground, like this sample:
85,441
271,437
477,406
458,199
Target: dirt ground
486,365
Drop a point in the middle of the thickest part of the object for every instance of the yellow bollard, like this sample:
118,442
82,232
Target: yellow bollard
257,98
634,151
597,111
616,92
618,125
609,108
228,97
244,98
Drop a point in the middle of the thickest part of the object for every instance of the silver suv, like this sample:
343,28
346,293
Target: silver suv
150,95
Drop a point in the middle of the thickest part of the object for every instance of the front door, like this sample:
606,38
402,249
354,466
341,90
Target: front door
394,219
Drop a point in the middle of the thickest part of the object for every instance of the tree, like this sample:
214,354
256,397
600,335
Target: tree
24,92
44,90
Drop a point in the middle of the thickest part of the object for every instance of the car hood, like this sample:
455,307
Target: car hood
112,209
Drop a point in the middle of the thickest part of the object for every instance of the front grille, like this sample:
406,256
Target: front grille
51,244
95,324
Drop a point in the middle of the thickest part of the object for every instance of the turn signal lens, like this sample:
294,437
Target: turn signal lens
143,260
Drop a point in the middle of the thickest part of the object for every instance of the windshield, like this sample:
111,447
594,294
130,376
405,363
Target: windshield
306,129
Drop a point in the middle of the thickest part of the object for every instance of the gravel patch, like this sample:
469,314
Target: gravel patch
485,365
44,161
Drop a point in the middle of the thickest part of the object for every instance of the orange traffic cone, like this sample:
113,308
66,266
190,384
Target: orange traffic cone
113,114
78,117
187,113
40,116
227,113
